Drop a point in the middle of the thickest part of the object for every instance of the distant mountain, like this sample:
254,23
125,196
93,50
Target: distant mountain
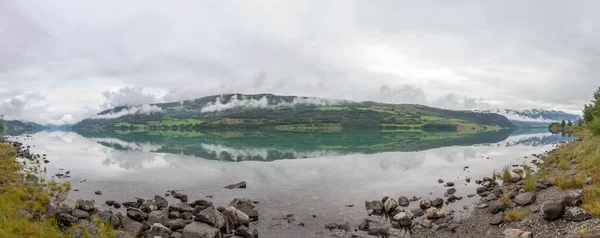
533,117
14,127
289,113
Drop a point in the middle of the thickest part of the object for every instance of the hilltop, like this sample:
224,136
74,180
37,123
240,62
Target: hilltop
14,127
289,113
533,117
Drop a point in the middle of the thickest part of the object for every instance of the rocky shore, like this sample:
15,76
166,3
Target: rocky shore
517,205
173,215
515,208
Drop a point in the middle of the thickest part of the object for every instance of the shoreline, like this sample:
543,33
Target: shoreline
527,203
444,226
170,216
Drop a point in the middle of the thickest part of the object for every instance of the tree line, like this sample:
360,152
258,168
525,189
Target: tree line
591,114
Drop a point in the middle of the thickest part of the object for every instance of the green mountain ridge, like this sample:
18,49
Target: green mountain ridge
15,127
289,114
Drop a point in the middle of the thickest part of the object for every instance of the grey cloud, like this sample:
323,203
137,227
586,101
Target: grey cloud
511,53
127,96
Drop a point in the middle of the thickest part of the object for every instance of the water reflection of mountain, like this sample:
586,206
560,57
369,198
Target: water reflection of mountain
269,146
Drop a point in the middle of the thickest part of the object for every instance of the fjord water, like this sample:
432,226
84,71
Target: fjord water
301,174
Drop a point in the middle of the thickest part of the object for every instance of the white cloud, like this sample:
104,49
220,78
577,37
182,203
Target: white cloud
143,109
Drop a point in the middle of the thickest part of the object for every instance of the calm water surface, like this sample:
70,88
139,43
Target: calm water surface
284,177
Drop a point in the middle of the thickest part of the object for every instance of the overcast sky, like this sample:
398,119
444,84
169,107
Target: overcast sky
63,60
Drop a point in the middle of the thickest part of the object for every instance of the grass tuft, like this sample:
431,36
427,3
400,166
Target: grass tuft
514,215
504,198
564,181
530,183
506,176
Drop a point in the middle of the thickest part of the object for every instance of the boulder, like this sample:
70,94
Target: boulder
552,210
576,214
438,202
425,203
136,214
487,179
214,217
451,198
176,224
199,230
481,190
174,214
161,203
491,197
234,218
80,214
449,184
86,205
497,218
390,205
425,223
180,207
64,220
515,179
237,185
524,199
440,181
158,230
131,204
109,203
202,203
178,195
374,208
516,233
132,226
450,191
148,206
158,217
404,219
496,207
434,213
417,212
574,197
403,201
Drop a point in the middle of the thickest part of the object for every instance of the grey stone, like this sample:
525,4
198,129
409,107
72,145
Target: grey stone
440,181
552,210
199,230
574,197
86,205
425,223
576,214
390,205
497,218
417,212
374,207
132,226
215,217
438,202
403,201
136,214
80,214
450,191
434,213
158,217
496,207
237,185
161,202
158,230
425,203
524,199
491,197
176,224
449,184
